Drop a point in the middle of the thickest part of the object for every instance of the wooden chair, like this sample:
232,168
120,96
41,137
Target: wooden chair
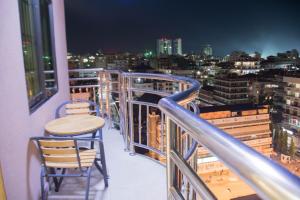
77,107
85,107
64,153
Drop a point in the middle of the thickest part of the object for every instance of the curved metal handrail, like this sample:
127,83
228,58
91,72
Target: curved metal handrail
268,179
194,85
182,95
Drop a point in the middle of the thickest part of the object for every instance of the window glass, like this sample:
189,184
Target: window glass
47,57
29,50
37,43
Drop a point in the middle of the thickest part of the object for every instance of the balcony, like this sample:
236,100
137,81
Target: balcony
153,133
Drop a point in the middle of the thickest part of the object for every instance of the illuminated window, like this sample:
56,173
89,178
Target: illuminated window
37,43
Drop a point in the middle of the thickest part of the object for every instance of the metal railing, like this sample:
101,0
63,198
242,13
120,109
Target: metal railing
180,131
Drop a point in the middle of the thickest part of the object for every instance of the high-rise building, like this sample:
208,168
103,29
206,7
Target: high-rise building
177,46
231,89
164,46
291,111
207,51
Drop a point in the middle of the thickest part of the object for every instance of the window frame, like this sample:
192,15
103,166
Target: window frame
41,97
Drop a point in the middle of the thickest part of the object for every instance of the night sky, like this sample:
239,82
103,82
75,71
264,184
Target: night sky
267,26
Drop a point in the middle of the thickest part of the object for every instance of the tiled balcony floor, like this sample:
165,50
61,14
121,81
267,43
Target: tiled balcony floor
131,177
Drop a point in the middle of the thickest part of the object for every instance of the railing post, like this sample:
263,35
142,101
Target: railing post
101,92
108,95
170,130
131,125
123,110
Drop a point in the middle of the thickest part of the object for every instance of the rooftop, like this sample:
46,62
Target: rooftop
232,108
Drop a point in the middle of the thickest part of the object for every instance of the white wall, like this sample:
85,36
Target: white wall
18,157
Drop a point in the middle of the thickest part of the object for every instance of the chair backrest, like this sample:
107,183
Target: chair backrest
77,107
59,153
81,95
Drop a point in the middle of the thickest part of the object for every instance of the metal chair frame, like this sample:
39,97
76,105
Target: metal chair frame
50,172
102,168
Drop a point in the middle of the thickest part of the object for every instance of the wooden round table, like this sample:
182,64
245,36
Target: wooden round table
74,125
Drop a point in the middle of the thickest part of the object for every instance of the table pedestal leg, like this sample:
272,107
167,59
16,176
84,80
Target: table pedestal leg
102,170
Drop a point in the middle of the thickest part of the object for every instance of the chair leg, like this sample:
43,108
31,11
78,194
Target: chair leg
102,159
88,184
92,143
61,179
42,179
55,180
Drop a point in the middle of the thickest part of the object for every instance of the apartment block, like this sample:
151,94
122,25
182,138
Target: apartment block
291,108
247,123
231,90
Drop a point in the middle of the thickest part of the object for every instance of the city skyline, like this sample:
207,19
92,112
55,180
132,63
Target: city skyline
264,26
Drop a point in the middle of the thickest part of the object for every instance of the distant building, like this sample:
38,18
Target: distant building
177,46
164,47
237,55
291,112
73,61
205,97
262,91
231,89
246,65
288,60
207,51
246,122
100,59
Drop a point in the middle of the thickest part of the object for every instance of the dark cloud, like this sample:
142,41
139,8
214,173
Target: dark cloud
133,25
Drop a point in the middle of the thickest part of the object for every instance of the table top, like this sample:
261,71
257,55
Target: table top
74,125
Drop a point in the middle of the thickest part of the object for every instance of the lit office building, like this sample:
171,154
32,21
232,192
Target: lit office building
207,51
164,46
177,46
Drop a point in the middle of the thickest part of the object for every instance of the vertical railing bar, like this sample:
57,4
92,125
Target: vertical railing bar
147,123
131,116
162,132
101,92
140,125
170,130
108,107
190,174
120,104
94,94
126,115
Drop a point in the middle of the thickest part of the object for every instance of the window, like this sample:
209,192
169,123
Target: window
38,50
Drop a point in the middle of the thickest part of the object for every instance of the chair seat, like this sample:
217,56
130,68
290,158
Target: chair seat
79,111
77,105
87,158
